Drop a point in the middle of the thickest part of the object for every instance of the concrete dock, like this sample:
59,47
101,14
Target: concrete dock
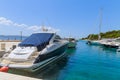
8,76
7,45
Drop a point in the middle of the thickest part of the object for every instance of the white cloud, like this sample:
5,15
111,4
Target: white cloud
39,28
7,22
20,25
53,29
34,28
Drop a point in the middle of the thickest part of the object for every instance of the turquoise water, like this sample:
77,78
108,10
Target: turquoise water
92,63
83,63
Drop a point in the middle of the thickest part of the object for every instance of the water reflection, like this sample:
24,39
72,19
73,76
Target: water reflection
105,52
71,51
103,48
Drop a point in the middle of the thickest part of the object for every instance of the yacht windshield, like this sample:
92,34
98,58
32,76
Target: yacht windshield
39,40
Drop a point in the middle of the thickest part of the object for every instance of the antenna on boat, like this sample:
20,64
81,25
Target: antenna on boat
99,36
43,28
47,29
21,35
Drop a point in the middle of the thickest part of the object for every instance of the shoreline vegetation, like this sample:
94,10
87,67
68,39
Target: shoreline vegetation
109,34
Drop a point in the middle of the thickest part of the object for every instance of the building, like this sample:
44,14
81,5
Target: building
8,45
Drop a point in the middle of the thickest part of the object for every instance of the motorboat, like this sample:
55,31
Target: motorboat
111,43
35,52
72,42
97,42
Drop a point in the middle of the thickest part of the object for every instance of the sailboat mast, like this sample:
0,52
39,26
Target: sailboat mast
99,36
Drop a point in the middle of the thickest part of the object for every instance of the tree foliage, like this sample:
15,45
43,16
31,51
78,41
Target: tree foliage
109,34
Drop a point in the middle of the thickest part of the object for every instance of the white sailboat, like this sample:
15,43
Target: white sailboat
97,42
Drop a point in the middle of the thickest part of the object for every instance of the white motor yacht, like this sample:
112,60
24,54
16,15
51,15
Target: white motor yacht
35,52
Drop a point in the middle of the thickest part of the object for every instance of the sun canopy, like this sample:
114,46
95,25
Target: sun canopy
39,40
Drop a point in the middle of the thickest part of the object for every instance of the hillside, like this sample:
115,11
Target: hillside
109,34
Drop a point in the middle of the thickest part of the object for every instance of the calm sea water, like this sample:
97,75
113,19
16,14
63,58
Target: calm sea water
83,63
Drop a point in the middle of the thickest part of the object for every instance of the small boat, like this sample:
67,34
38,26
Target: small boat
118,50
93,42
72,42
35,52
111,43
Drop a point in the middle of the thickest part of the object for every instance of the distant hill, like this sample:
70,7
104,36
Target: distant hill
109,34
12,37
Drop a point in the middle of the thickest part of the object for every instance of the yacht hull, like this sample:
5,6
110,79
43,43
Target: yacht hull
43,64
42,60
53,53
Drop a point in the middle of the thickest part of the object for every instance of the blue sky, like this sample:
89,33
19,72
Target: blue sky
77,18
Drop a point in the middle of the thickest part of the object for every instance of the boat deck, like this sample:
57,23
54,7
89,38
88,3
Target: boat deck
5,61
27,62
